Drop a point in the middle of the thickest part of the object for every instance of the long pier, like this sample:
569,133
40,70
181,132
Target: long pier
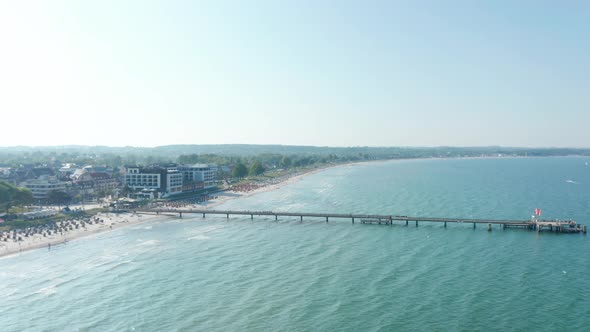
568,226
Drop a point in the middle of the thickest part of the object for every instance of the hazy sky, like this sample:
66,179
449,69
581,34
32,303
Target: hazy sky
338,73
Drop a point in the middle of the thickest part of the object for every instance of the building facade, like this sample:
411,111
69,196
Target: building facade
43,185
93,184
201,175
163,180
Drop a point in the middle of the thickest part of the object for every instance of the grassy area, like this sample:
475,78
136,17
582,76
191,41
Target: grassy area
22,223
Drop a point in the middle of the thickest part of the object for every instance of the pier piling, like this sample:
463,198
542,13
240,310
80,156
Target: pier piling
489,227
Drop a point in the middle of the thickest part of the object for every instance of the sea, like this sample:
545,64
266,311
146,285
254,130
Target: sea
215,274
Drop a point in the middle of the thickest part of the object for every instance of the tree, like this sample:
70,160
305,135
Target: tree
13,196
256,168
58,197
104,192
239,171
23,196
286,162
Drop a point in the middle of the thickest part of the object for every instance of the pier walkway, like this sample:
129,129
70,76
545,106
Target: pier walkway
568,226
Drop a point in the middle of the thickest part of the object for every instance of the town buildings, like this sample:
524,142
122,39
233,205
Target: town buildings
89,184
160,181
41,186
79,183
154,181
201,175
83,183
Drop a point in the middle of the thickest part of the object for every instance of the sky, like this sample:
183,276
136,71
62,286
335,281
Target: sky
324,73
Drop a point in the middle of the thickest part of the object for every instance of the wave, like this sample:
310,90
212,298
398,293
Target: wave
199,237
49,290
148,242
117,265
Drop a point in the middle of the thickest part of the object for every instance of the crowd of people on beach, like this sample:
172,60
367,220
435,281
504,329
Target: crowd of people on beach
32,237
59,232
252,186
245,187
54,228
184,202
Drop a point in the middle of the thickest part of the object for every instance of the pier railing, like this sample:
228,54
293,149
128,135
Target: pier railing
568,226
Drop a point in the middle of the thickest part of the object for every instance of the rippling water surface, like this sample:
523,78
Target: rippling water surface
242,275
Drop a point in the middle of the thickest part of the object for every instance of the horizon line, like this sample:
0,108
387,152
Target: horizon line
295,145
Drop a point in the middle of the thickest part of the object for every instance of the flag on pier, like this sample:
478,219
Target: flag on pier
537,211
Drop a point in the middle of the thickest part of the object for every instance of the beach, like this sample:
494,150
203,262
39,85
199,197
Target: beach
110,221
75,229
260,187
116,220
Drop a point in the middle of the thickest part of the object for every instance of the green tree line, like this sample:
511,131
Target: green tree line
13,196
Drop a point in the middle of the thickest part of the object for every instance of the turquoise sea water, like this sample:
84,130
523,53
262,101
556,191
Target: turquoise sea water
211,274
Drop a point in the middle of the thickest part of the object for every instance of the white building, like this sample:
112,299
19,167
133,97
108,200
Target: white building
173,182
142,178
207,174
43,185
165,180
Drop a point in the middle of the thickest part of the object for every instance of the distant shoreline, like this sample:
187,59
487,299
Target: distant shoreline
119,220
296,177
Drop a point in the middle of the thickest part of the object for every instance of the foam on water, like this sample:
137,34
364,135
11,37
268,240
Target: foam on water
49,290
148,242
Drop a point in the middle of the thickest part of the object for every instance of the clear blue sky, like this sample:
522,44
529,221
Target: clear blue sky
338,73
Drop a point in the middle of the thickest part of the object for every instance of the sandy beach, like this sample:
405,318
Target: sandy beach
104,222
109,221
228,195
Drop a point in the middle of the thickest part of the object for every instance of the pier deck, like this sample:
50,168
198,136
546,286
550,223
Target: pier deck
569,226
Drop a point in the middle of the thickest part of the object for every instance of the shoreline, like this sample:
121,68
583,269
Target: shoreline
37,241
289,179
111,221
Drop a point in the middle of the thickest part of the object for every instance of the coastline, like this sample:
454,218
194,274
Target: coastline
111,221
229,195
118,220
